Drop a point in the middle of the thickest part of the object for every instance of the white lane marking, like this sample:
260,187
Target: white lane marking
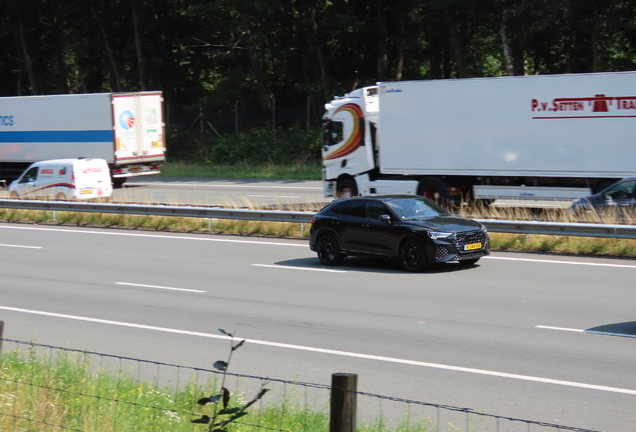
273,196
562,262
586,331
20,246
158,236
299,268
225,186
335,352
158,287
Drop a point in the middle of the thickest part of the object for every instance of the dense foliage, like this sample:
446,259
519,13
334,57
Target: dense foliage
226,53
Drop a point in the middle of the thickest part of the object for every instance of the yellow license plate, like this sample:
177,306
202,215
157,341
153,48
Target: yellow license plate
86,191
472,246
135,169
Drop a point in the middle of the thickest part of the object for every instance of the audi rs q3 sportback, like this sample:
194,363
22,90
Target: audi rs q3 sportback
411,229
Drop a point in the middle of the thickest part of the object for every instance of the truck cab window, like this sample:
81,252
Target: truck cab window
333,133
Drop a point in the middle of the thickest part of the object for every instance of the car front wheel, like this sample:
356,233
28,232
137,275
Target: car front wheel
329,250
412,256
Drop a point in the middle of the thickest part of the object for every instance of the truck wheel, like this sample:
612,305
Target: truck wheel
347,188
119,182
434,189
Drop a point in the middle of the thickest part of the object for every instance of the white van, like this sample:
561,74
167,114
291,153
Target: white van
64,179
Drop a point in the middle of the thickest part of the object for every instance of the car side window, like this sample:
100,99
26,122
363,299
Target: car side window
375,209
621,190
30,175
354,207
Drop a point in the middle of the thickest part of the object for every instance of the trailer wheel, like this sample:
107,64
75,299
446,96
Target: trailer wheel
347,188
602,184
434,189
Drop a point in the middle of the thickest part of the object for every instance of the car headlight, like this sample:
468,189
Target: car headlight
440,235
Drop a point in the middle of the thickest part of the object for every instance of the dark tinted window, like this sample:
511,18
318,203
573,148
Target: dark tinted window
354,207
415,208
333,133
375,209
621,190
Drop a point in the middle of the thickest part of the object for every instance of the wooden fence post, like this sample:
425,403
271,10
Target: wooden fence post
343,402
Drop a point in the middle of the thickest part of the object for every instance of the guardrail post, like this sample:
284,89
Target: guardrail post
1,329
343,402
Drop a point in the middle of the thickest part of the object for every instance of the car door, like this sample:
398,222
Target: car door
352,217
365,232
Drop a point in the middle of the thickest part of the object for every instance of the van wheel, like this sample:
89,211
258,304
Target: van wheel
14,195
60,197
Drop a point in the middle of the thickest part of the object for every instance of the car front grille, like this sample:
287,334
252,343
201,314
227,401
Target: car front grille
462,239
440,252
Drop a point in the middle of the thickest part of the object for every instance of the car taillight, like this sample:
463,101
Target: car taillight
313,219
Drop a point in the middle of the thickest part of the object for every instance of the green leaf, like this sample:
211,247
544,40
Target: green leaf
229,411
238,345
203,420
226,397
211,399
225,333
238,416
220,365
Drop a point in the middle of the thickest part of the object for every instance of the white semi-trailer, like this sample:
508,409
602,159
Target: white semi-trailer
533,137
125,129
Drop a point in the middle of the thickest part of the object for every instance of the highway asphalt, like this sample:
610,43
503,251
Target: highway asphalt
541,337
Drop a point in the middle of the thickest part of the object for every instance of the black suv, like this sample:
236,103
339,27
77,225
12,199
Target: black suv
412,229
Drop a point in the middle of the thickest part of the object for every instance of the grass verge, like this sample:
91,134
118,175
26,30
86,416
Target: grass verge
311,170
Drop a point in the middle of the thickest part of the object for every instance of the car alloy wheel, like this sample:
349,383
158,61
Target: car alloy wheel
328,250
412,256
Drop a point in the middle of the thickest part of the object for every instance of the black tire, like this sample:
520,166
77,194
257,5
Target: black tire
328,250
118,182
434,189
347,188
412,256
468,262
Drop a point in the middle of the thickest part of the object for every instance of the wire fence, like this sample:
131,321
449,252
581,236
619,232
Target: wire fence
49,388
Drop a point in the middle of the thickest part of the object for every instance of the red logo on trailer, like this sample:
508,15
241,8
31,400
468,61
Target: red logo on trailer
586,107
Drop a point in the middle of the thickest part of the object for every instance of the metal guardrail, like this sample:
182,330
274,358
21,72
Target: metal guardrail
493,225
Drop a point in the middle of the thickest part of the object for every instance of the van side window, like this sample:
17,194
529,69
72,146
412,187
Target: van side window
30,175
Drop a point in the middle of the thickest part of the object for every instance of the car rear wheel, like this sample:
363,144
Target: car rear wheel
412,256
328,250
469,262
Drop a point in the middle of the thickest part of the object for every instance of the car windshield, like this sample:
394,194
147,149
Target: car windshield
416,208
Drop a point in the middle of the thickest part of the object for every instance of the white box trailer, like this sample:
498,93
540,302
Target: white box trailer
125,129
531,137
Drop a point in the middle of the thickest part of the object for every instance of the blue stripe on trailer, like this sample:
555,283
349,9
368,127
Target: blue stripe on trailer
56,136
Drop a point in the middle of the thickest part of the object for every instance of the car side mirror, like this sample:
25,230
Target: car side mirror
385,218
